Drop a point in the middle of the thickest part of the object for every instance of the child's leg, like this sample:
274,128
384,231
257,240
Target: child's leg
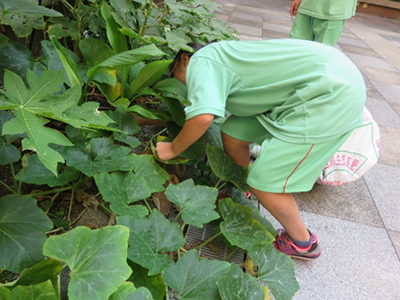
238,150
284,208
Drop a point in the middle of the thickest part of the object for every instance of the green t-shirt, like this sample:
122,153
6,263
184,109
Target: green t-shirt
328,9
300,91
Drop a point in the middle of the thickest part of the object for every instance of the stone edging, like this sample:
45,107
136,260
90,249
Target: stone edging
385,3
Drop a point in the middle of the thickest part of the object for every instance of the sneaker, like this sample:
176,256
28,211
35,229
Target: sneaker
285,244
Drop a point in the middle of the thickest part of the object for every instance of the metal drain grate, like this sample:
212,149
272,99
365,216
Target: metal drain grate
195,234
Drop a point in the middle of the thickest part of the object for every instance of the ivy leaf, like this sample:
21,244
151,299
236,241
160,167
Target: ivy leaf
100,155
36,173
239,285
239,226
226,169
197,282
149,238
22,227
122,189
127,291
196,203
97,259
41,291
276,270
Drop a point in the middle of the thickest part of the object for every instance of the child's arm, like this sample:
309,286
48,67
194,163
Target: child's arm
294,7
191,131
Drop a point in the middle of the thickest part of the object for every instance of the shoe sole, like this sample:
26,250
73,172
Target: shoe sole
305,257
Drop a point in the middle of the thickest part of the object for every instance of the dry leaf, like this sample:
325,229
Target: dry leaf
250,267
162,203
173,179
81,195
213,246
111,220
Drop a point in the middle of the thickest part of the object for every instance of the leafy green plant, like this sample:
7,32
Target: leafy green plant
66,124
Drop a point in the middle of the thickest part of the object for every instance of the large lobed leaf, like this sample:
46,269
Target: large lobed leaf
240,227
149,238
22,227
276,270
23,100
226,169
122,189
127,291
238,285
97,259
196,203
99,155
195,278
41,291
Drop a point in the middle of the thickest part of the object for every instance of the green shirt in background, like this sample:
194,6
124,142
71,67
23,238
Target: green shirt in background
300,91
328,9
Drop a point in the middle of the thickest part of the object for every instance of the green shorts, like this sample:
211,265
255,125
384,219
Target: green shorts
313,29
281,167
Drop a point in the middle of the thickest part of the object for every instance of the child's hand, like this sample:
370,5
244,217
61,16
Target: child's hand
294,7
164,151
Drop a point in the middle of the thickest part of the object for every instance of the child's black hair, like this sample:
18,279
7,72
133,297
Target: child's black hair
196,46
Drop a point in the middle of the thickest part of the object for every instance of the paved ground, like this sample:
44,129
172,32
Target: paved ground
358,224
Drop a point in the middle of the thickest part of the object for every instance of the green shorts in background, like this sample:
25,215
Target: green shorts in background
281,167
314,29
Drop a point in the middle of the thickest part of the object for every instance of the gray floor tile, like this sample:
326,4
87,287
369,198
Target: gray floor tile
357,262
278,28
247,16
395,237
390,146
372,91
374,74
391,92
374,62
247,30
245,22
358,50
383,184
383,113
350,202
352,42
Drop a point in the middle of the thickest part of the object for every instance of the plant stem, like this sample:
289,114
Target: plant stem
147,204
230,254
54,230
78,217
105,208
209,240
51,191
13,177
176,218
5,185
71,201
